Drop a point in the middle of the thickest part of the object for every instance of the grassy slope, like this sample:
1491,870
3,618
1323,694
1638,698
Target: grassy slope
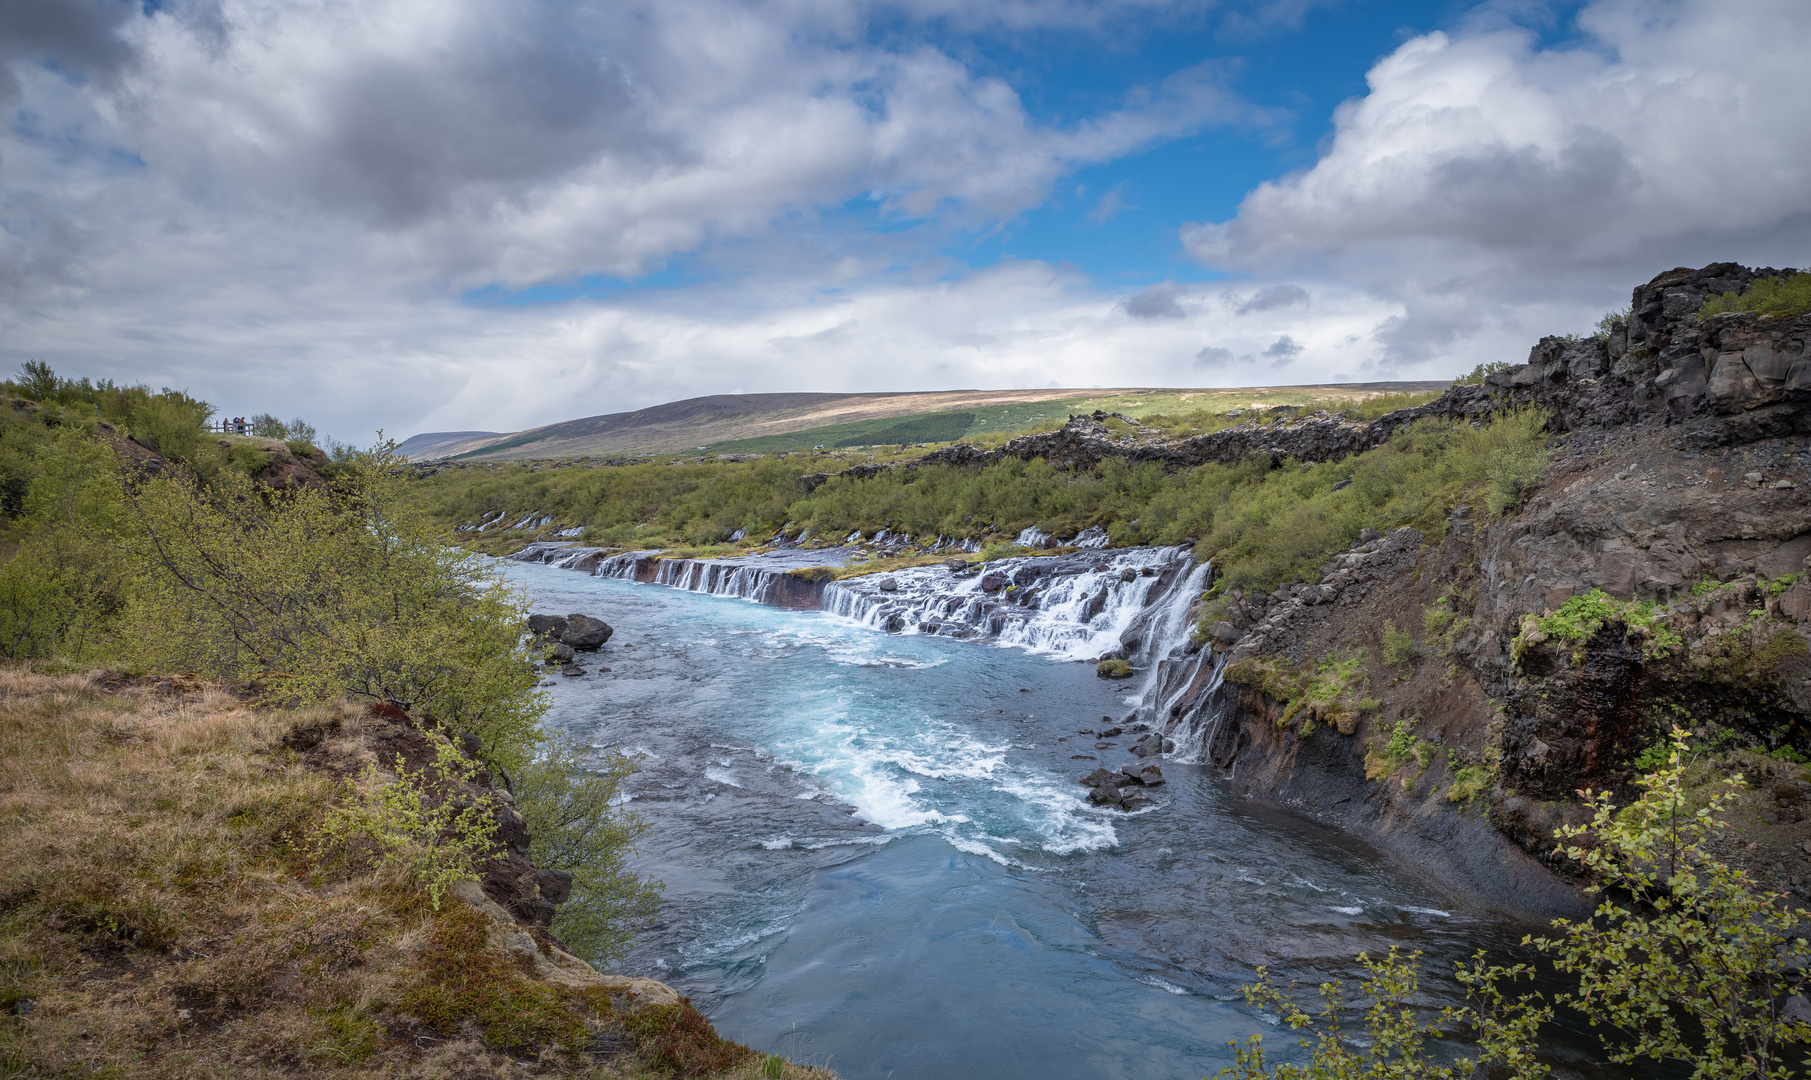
761,423
163,912
1262,525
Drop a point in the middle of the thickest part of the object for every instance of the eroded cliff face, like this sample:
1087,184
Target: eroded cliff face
1678,513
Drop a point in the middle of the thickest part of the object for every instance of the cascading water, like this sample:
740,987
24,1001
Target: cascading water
755,578
1075,607
1130,602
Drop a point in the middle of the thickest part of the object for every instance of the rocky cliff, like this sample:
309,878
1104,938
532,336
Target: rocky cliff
1451,694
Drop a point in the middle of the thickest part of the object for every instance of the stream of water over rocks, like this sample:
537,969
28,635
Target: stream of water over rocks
877,855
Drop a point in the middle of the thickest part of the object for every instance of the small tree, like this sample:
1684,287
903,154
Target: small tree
330,594
1395,1040
1687,958
572,807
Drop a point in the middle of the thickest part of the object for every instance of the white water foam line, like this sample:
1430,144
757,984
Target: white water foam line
1073,607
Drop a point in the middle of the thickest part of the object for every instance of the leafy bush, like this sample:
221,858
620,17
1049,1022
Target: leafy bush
1403,745
1687,961
341,593
1680,935
1582,616
1482,372
1398,645
1395,1042
1327,691
571,809
1782,297
414,823
1610,321
1468,783
1261,525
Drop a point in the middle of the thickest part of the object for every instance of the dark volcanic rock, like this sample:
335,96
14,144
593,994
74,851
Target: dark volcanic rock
586,633
546,625
555,885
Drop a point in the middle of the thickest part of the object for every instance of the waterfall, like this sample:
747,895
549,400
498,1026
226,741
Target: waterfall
1183,693
1077,607
1129,602
757,579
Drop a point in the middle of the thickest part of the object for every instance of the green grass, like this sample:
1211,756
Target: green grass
1261,524
934,427
1781,297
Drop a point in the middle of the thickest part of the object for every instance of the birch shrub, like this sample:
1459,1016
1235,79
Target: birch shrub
572,807
1687,963
321,594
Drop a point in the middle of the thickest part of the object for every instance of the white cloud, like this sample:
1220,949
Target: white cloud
276,202
1482,173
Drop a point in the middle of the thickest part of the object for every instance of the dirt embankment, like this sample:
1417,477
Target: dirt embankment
1660,575
171,905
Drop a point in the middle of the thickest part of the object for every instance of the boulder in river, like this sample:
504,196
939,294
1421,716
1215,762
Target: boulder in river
1149,745
888,584
993,582
585,632
546,626
572,671
560,654
1104,795
1113,669
1149,775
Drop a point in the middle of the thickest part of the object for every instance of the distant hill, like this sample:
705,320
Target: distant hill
435,444
761,423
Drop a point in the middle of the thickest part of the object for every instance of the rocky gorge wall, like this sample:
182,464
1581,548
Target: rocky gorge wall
1440,693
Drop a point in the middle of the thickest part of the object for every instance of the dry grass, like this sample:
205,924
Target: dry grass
161,913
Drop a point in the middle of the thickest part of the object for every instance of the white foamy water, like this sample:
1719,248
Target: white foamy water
1075,607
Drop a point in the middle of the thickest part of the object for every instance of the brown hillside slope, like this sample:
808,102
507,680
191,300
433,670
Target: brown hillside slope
168,908
685,425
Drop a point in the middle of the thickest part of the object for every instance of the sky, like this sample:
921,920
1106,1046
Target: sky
443,215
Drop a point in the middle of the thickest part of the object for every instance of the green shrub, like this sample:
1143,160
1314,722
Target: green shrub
1482,372
1402,746
1685,964
1610,321
1582,616
1782,297
1398,645
1680,934
1468,783
1329,691
1261,524
413,823
1395,1041
344,593
570,806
